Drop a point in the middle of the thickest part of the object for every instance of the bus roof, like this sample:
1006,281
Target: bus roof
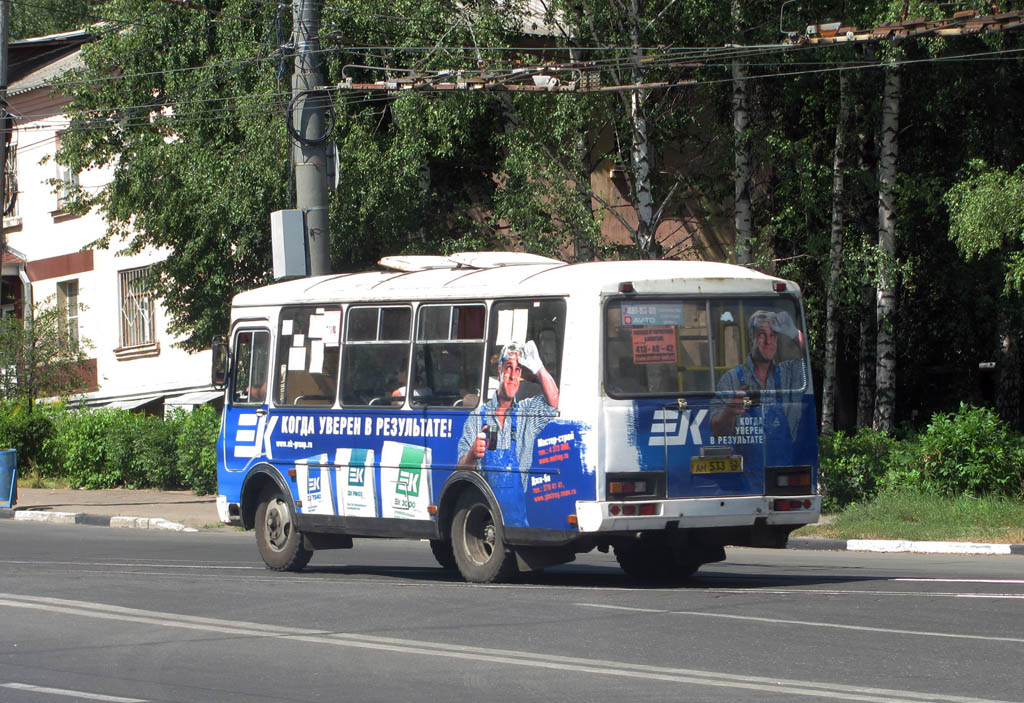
506,274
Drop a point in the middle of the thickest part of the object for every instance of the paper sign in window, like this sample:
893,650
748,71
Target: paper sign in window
316,356
654,345
332,327
297,359
512,325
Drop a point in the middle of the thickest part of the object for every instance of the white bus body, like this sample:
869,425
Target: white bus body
516,410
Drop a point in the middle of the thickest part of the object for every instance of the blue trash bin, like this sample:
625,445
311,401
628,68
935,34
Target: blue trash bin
8,477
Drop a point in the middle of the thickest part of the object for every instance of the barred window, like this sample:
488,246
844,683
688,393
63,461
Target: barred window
136,308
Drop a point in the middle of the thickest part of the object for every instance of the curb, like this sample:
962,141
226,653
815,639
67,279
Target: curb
891,546
145,523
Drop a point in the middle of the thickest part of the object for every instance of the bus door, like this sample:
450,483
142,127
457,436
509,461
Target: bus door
245,419
302,434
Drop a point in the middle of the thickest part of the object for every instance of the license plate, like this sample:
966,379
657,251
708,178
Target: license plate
716,465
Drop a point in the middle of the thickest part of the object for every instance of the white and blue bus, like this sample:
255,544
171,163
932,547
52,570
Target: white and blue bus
516,410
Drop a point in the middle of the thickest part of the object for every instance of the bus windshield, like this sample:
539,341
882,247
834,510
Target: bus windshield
676,346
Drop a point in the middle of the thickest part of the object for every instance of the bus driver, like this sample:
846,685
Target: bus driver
499,439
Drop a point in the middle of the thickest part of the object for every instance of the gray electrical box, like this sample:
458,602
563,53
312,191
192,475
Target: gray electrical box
288,241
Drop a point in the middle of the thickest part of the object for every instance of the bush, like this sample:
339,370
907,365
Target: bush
154,454
854,467
196,451
84,437
971,452
28,433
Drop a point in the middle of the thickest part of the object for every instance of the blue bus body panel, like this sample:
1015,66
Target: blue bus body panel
394,463
667,438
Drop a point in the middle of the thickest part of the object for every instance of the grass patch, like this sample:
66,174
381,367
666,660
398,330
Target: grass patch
35,480
912,515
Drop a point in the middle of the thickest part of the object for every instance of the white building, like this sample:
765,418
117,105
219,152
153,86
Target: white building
50,256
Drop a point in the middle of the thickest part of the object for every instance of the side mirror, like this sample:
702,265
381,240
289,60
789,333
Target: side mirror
219,355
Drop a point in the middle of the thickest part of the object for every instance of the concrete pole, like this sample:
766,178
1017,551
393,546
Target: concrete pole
309,151
5,9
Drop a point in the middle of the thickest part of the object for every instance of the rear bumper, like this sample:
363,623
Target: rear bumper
595,516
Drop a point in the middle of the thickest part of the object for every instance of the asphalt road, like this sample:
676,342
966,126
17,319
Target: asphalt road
101,614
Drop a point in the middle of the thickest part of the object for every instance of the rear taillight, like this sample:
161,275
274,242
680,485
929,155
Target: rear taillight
620,488
786,504
631,509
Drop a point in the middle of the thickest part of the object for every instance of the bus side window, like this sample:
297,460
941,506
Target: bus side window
252,352
449,356
540,321
307,358
376,355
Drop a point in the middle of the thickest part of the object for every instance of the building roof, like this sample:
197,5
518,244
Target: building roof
34,63
11,257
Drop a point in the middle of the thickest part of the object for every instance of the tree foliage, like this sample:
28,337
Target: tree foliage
38,357
42,17
195,136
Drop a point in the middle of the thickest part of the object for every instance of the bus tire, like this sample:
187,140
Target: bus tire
277,538
442,551
478,541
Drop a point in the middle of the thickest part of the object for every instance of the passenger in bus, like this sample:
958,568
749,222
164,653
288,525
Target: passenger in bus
499,439
762,372
418,391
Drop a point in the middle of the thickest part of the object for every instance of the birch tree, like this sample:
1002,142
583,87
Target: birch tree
885,341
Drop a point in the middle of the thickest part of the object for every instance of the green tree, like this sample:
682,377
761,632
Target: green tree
38,358
986,219
195,135
42,17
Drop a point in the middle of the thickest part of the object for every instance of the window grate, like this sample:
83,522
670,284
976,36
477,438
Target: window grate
136,308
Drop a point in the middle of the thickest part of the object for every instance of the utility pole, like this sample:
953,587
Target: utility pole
5,136
310,132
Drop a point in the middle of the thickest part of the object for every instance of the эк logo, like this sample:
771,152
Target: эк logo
669,426
408,482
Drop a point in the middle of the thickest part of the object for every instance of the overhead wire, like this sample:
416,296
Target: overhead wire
710,57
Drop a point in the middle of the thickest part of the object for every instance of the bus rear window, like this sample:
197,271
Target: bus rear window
662,346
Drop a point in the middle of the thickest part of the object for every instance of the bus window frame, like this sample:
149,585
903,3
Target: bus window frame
494,349
346,343
708,301
288,312
233,376
461,403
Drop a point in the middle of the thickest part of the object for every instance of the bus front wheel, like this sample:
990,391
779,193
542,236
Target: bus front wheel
277,539
478,541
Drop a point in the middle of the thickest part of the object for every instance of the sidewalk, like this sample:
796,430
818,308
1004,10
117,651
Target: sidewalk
185,511
116,507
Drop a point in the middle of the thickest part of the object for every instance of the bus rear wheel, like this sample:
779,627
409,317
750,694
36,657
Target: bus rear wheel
478,541
277,538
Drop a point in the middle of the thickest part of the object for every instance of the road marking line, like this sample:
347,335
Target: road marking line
479,654
151,565
807,623
70,693
927,580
